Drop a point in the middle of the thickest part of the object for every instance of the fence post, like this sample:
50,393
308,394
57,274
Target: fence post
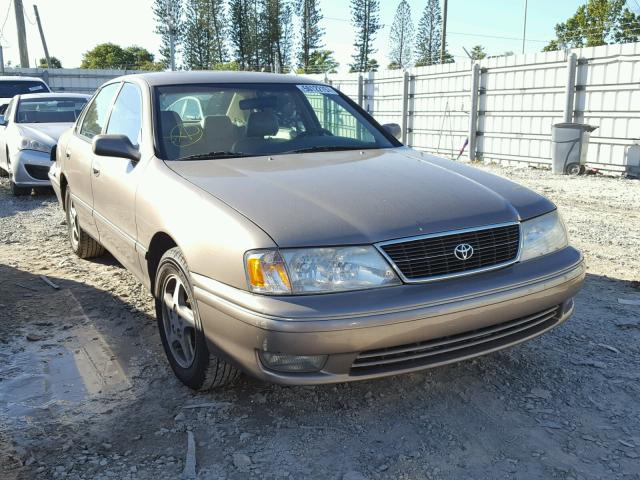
405,107
570,90
473,110
360,90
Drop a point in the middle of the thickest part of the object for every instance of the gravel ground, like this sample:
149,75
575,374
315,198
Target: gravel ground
85,391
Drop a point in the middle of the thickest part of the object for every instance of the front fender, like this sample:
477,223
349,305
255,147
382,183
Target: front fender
212,236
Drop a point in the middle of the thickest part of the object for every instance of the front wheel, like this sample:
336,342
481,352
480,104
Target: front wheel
181,330
15,189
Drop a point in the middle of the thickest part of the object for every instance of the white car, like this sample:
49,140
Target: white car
29,133
10,86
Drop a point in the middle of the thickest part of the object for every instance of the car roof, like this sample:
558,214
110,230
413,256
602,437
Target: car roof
17,78
27,96
177,78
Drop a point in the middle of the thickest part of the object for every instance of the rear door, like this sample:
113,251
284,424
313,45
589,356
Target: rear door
115,180
78,154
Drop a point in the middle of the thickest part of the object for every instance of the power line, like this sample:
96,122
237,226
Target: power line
6,17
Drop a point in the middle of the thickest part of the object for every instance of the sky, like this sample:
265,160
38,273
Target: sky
74,26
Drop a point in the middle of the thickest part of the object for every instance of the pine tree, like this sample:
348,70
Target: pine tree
401,36
168,15
478,53
198,36
276,35
219,29
239,32
310,32
365,20
429,35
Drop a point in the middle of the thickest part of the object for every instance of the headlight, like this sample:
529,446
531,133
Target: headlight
543,235
317,270
31,144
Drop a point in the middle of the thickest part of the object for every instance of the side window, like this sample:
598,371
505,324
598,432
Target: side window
96,116
126,117
336,119
192,111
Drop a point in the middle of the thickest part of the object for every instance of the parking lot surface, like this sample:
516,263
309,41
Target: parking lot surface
86,393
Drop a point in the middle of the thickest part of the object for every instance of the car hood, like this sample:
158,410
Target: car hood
339,198
46,133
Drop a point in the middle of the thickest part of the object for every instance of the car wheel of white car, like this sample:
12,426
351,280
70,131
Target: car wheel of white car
181,331
82,244
16,190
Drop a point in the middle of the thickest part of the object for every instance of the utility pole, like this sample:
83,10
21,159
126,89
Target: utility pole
1,61
524,29
172,44
22,35
443,45
44,42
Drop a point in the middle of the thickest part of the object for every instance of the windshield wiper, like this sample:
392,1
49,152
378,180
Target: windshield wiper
215,155
329,148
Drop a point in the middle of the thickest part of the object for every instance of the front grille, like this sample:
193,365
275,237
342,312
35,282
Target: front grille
455,347
434,256
38,172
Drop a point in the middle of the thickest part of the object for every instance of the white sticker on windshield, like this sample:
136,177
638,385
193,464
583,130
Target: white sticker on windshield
322,89
35,88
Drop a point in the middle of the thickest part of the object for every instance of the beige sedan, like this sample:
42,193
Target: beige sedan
284,233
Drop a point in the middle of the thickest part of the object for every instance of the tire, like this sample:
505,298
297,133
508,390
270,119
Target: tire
19,191
181,331
15,189
82,244
574,169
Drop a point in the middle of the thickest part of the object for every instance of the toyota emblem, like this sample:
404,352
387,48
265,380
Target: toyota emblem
464,251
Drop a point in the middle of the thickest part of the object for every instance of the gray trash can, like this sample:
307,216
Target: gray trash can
569,143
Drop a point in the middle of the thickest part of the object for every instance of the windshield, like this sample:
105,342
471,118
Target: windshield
49,110
11,88
235,120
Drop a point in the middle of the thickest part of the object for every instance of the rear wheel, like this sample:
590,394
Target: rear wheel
82,244
181,330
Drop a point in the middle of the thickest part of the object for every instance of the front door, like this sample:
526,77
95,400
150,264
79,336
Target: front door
114,182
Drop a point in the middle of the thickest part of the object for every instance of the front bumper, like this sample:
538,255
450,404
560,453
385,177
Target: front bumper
30,168
352,325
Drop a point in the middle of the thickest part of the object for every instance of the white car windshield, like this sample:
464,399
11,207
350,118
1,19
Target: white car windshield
49,110
234,120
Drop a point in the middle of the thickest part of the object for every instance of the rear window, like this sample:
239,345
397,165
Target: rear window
49,110
11,88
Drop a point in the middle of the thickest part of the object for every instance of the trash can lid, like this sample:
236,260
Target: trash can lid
579,126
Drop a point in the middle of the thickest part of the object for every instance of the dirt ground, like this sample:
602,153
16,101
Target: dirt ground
86,393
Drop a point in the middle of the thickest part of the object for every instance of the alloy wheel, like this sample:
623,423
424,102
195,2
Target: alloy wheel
178,321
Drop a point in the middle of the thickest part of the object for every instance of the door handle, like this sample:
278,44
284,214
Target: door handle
96,170
67,153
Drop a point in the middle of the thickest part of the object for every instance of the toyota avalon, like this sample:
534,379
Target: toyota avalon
284,233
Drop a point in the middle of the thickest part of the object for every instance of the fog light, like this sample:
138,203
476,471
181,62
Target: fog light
292,363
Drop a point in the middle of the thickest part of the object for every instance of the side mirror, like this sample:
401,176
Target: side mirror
394,129
3,122
115,146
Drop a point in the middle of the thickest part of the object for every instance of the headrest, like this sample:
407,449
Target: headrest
217,126
261,124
